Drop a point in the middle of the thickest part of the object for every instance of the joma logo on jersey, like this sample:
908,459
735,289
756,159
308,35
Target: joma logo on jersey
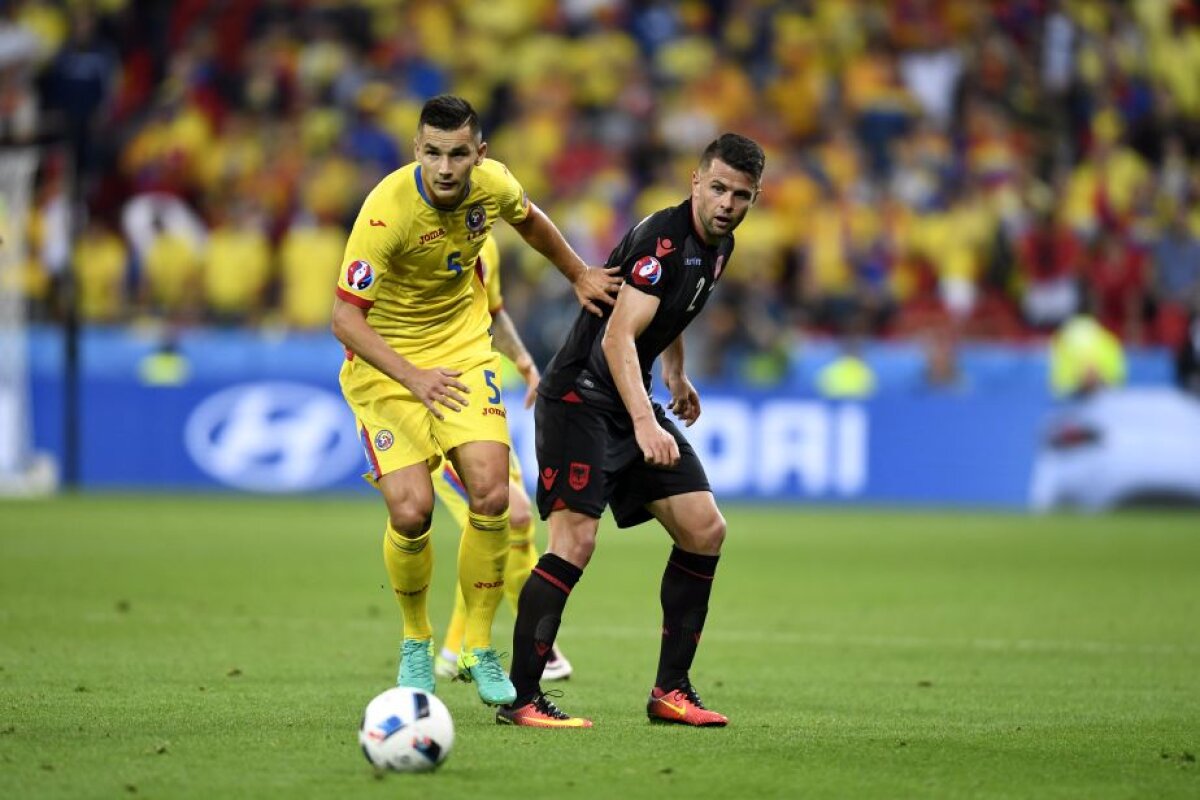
489,584
429,237
499,412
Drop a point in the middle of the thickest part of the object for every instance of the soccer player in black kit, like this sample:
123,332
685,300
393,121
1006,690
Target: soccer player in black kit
602,440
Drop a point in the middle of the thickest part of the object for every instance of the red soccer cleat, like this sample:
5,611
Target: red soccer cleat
683,707
541,713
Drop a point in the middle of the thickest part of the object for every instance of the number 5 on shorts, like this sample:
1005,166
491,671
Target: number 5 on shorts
489,377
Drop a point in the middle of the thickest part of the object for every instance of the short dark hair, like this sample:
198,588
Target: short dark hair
447,112
737,151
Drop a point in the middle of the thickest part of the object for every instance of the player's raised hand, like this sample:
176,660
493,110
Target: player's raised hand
597,285
659,448
437,386
685,400
529,372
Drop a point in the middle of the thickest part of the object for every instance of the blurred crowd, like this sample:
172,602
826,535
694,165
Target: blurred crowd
973,168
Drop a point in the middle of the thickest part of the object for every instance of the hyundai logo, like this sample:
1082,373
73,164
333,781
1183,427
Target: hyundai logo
273,437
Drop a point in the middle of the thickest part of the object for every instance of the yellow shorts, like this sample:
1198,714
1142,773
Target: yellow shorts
396,428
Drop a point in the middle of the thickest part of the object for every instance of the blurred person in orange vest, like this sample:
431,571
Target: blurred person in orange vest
1085,358
848,376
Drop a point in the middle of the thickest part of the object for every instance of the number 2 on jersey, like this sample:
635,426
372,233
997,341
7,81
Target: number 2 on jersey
699,289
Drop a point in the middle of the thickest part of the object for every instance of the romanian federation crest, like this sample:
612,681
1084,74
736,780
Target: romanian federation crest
384,440
476,218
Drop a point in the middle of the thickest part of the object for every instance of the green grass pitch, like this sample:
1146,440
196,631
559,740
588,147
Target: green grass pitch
223,647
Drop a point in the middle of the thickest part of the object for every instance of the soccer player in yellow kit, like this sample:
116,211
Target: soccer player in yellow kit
420,374
522,552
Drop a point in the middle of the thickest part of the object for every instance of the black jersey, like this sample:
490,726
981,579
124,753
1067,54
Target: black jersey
663,256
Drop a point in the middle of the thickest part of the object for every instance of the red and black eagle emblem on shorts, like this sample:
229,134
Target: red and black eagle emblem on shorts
579,475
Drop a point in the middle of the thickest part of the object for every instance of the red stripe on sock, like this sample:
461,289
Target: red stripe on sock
552,580
693,573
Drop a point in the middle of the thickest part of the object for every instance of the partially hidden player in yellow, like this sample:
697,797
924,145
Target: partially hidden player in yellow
422,379
522,550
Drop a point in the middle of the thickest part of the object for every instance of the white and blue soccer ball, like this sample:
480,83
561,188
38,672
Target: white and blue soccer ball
406,730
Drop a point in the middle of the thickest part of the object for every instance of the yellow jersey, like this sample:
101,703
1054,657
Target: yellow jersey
415,266
489,268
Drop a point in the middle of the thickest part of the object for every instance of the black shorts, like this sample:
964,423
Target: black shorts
588,458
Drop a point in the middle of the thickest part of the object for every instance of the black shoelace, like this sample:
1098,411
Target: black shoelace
690,692
543,704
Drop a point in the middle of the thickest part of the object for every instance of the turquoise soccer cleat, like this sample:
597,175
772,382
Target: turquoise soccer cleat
416,665
482,667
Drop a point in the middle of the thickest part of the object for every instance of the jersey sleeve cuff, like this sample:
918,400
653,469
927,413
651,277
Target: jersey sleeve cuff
354,299
650,289
527,208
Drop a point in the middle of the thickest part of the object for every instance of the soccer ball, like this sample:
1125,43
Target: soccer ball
406,730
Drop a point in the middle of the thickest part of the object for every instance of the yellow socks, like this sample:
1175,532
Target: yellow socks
481,556
522,556
458,624
409,563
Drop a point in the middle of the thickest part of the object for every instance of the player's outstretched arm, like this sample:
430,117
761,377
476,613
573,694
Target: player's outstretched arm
633,312
431,386
508,341
685,400
593,285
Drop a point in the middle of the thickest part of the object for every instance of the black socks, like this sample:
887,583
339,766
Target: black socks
686,586
539,612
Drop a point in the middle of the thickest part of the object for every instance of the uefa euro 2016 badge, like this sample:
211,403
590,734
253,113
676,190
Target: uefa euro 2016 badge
476,218
384,440
359,275
647,271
